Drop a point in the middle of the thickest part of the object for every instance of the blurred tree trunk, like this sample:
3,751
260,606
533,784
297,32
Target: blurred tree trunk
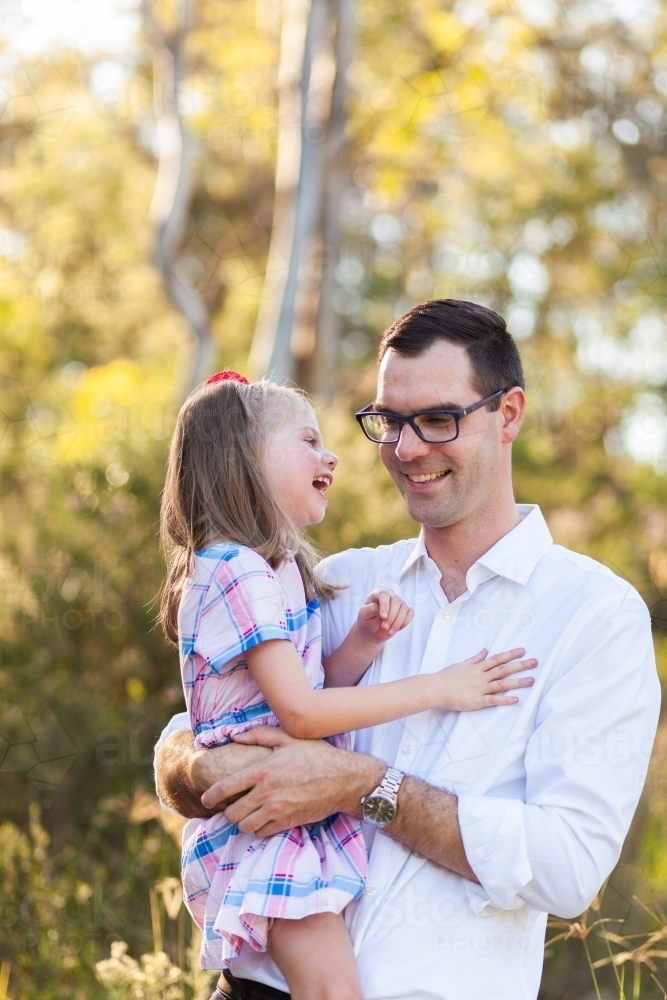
174,184
297,187
319,370
316,47
290,67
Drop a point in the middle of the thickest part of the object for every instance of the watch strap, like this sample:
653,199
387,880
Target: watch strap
389,785
391,781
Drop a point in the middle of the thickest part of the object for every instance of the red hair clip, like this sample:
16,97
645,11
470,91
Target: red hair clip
227,376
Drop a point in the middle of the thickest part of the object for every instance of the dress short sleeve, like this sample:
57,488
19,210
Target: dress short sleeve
233,601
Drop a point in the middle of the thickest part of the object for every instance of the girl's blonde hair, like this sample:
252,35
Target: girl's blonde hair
216,490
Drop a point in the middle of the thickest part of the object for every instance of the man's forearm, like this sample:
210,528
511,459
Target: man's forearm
427,823
427,819
183,773
305,781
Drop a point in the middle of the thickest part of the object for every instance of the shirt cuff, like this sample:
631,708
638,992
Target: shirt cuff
494,839
176,724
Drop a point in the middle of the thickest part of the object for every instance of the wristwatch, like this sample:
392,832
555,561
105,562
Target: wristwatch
379,808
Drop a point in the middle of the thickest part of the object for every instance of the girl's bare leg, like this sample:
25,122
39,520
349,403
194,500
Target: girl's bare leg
316,958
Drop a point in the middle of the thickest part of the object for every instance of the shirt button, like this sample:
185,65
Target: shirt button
408,748
446,613
371,890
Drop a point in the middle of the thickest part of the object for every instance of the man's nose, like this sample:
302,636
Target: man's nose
409,445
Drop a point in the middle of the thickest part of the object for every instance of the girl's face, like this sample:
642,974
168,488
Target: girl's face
298,468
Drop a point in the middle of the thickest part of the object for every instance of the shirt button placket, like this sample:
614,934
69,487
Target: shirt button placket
417,726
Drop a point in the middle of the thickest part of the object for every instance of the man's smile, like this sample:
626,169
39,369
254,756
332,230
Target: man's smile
425,477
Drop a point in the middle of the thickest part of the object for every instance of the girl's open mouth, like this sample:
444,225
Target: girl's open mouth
322,482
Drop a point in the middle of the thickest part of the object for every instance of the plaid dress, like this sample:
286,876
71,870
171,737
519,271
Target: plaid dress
235,883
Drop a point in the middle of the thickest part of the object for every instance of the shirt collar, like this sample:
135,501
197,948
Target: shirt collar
417,552
514,556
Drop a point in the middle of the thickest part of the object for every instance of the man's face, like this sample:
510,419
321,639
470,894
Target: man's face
468,471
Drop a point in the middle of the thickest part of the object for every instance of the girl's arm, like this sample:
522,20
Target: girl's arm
307,714
382,615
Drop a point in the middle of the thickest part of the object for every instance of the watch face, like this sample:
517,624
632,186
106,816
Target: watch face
379,810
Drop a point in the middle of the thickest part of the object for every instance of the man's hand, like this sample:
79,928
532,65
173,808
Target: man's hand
302,781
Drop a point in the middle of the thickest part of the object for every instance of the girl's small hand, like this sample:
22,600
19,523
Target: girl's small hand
382,615
482,681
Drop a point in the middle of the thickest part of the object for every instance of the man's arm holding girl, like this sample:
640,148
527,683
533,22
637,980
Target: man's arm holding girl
300,781
585,760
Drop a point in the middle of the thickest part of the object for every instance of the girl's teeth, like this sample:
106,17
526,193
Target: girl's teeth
426,477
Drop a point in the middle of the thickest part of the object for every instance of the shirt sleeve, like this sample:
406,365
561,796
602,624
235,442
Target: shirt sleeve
234,604
586,764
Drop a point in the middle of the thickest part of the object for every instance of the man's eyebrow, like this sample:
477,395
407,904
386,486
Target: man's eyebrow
380,408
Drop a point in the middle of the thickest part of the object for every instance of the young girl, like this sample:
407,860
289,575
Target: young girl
247,470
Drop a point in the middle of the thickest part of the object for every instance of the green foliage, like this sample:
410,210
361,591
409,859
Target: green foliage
47,915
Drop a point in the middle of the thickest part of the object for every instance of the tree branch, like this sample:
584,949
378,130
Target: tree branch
174,184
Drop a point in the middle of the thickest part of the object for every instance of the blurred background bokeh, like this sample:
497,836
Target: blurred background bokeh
266,184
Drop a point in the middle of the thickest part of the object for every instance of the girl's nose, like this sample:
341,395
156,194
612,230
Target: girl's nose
330,459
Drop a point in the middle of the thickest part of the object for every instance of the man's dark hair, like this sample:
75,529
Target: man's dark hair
494,357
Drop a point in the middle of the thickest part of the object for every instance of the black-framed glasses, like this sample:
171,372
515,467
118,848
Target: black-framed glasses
432,426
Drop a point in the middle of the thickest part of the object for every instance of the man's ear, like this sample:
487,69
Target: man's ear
512,408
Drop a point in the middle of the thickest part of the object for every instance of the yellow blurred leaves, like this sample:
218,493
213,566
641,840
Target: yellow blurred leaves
116,404
446,31
136,689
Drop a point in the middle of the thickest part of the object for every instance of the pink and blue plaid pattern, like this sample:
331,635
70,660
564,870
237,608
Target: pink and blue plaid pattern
236,884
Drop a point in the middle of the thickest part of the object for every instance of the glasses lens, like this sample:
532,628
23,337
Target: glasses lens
436,427
381,428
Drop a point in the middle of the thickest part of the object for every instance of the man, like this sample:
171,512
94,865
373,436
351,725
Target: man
486,821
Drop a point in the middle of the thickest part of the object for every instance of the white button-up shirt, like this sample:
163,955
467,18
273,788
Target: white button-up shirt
547,788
